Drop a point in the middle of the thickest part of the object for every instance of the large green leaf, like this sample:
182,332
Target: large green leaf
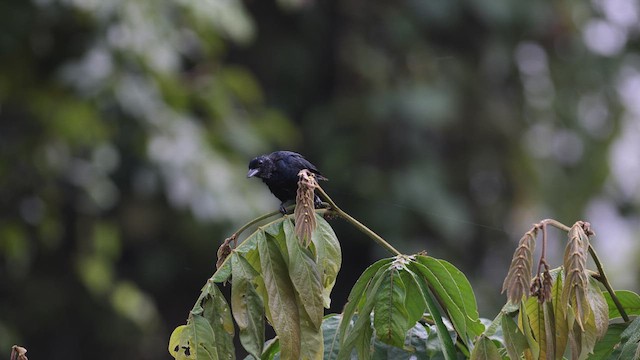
390,318
311,341
514,340
606,345
414,303
448,348
629,347
356,295
247,306
414,349
561,328
485,349
536,321
209,330
203,339
443,294
533,350
195,341
282,301
304,276
250,244
629,300
599,308
328,257
330,335
271,350
176,346
359,336
468,297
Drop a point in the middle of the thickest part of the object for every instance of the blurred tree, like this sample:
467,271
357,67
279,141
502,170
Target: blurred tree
126,125
116,117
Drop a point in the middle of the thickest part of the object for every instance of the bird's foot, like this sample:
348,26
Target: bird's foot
283,210
317,203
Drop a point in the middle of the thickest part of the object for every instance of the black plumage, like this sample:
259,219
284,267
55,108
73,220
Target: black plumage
279,170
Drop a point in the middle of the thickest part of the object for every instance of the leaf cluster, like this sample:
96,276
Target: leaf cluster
273,277
396,293
566,312
406,306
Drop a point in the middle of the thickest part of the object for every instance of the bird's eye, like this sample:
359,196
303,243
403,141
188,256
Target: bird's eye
260,162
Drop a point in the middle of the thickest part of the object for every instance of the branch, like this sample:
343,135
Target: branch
375,237
603,279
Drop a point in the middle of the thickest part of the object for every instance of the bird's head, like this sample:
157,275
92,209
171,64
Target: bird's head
261,166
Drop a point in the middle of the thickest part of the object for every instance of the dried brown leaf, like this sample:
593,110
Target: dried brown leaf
517,281
304,212
225,249
574,290
18,353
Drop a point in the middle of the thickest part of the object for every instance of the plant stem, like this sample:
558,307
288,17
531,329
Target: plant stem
603,279
375,237
554,223
260,218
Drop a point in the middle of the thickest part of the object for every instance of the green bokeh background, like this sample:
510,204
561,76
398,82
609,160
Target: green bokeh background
449,126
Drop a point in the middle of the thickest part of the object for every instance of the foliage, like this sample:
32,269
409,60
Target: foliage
125,126
277,274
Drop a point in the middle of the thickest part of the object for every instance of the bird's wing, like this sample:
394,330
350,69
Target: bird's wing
297,161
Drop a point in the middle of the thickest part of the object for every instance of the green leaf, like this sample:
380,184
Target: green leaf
203,339
485,349
175,341
536,321
271,350
414,300
606,345
630,342
281,295
328,257
629,300
561,327
311,341
448,349
468,298
599,308
414,349
583,339
249,245
304,276
330,335
247,306
356,295
196,340
390,318
216,312
514,340
443,293
359,336
523,321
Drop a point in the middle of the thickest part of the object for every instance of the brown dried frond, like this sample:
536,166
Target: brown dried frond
547,285
225,249
517,281
18,353
305,210
574,290
541,284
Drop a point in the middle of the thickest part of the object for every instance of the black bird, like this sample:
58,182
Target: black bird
279,170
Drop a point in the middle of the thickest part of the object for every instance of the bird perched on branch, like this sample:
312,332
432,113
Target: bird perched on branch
279,170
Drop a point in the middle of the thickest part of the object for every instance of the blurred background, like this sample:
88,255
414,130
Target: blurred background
126,127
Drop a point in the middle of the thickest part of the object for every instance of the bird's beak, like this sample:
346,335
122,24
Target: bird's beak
253,172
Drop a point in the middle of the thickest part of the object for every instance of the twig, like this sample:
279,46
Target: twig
260,218
375,237
603,279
